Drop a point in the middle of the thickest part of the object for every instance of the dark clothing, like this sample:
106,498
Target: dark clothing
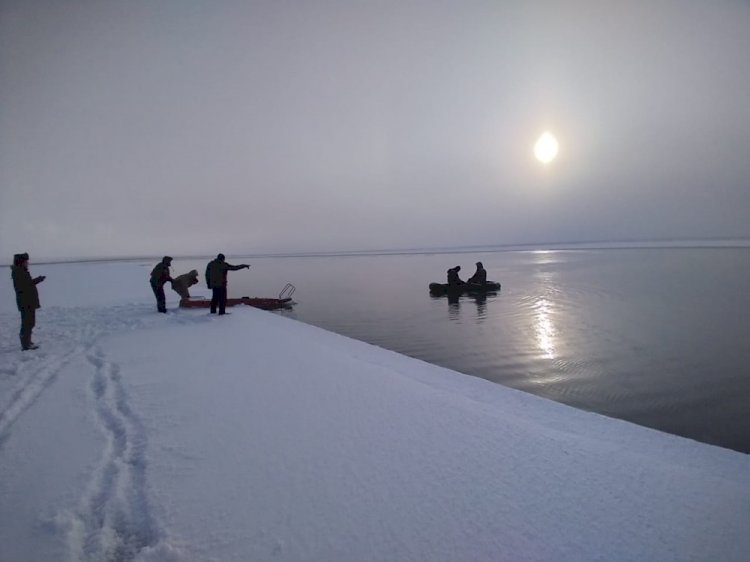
161,298
27,301
219,298
216,273
453,278
28,321
479,277
159,276
216,280
27,295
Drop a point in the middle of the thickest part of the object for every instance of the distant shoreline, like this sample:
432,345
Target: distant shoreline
718,243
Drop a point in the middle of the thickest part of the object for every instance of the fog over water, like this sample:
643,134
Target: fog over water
151,127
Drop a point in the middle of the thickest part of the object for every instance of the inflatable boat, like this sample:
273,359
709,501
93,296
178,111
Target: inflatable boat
438,289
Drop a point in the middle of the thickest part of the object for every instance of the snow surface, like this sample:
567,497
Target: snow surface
131,435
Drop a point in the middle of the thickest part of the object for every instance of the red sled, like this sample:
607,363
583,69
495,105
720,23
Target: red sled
283,301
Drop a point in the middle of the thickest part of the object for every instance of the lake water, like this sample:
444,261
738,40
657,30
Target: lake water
656,336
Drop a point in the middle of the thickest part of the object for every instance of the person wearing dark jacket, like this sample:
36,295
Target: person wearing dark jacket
453,279
27,297
216,280
159,276
480,275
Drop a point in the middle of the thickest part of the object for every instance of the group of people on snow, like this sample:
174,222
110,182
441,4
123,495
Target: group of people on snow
479,277
27,295
216,280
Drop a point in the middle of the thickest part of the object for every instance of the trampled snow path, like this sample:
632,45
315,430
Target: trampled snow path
33,378
66,334
113,520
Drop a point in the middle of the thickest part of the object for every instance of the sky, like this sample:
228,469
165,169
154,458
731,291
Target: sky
191,127
125,437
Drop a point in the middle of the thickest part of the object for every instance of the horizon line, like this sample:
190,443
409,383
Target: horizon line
466,248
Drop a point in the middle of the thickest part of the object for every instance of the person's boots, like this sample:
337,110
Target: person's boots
26,345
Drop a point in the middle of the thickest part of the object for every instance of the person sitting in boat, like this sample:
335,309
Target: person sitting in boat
181,283
453,279
480,275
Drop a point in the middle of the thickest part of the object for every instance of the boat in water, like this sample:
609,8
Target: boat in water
440,289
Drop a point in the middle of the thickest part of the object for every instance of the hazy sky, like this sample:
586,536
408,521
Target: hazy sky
185,127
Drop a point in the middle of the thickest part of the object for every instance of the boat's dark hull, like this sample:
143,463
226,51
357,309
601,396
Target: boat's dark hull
439,289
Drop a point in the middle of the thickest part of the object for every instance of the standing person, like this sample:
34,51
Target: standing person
216,279
27,297
480,275
159,276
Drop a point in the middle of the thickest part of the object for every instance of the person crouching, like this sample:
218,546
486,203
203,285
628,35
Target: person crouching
181,283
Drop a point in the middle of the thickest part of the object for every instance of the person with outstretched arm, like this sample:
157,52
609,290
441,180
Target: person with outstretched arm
27,297
216,280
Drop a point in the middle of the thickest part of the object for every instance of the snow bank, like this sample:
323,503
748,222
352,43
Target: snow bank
137,436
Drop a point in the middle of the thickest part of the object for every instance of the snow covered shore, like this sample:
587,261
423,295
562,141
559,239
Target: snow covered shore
131,435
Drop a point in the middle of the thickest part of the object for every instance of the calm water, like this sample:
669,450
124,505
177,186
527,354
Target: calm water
659,337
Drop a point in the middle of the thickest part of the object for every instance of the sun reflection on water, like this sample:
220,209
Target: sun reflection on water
545,329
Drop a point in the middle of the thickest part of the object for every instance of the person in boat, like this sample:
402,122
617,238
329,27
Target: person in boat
216,280
480,275
159,276
453,279
27,297
181,283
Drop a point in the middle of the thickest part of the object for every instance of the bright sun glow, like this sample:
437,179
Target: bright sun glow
546,148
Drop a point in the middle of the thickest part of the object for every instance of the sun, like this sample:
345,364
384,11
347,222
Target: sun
546,148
